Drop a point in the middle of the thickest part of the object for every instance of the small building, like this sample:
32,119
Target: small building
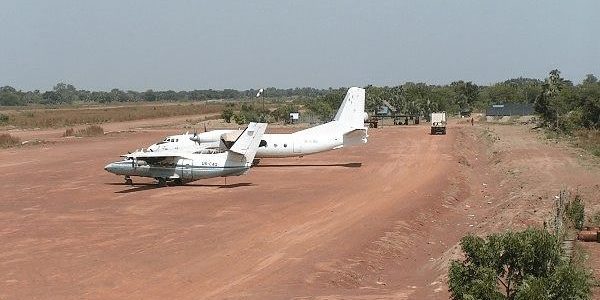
510,110
386,109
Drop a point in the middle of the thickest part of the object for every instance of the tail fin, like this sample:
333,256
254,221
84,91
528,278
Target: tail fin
247,143
352,110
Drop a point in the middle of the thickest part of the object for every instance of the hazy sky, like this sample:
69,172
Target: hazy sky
184,45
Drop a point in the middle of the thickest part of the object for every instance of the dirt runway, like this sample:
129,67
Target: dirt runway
311,226
378,221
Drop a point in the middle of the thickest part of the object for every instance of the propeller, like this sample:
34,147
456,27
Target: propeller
195,136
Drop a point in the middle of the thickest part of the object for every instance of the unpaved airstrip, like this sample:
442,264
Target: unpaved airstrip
376,221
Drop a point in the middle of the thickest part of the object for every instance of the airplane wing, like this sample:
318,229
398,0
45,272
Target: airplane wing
154,157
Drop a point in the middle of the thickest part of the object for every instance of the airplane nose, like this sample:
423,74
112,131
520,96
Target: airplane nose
110,168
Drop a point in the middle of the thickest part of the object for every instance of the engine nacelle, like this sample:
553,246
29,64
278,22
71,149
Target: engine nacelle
204,139
216,136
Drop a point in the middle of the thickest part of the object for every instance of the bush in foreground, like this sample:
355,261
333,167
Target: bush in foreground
7,140
516,265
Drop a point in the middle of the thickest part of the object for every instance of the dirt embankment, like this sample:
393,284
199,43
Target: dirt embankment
511,175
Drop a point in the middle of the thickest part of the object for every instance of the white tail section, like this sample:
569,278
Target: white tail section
352,110
247,143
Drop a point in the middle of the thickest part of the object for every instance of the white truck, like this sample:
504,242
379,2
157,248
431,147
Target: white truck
438,122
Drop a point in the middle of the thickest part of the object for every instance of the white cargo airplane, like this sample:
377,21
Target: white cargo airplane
346,129
183,166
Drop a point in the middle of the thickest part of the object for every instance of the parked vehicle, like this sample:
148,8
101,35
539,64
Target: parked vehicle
438,123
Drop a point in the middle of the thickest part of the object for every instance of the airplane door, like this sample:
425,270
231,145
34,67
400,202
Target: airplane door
186,167
297,146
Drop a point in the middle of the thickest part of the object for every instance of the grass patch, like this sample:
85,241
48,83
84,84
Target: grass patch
65,117
588,140
489,135
594,219
92,130
7,140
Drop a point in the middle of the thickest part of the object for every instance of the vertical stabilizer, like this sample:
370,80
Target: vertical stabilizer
247,143
352,110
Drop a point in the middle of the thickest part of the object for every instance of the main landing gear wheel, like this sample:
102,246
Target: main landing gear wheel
162,181
178,181
128,180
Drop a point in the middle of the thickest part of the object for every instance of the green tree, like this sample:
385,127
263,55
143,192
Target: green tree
227,114
466,94
10,97
589,93
66,93
150,96
515,265
552,103
590,79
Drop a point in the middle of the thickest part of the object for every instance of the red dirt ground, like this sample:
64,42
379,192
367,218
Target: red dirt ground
377,221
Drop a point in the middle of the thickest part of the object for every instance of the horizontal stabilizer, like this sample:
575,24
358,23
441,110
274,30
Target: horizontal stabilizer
355,137
247,143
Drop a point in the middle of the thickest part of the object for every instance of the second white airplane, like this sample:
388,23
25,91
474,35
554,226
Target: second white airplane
346,129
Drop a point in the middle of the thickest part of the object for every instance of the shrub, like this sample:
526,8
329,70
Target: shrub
3,118
7,140
516,265
239,119
69,132
92,130
575,212
227,114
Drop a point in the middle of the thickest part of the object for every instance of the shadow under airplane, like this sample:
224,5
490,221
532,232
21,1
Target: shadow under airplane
346,165
138,187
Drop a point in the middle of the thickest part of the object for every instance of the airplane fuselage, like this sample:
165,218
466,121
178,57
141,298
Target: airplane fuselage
189,168
346,129
309,141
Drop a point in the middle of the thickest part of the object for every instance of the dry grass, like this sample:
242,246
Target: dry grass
589,140
92,130
48,118
69,132
7,140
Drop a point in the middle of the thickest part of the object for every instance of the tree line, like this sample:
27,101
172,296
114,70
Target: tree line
560,104
63,93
